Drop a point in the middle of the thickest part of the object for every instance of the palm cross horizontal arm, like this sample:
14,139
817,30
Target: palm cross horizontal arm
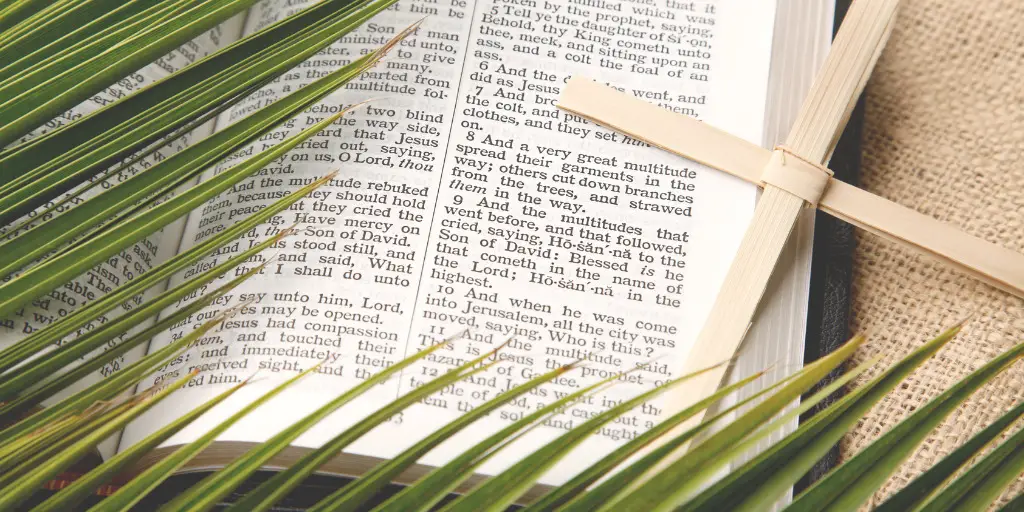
793,177
700,142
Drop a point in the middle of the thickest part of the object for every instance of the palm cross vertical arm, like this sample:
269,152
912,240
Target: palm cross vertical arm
793,176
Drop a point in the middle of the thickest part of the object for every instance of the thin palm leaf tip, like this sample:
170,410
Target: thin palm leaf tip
80,191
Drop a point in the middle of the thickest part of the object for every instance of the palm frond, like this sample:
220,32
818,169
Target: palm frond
170,173
368,485
145,482
82,317
664,491
924,488
34,371
982,484
55,271
107,388
206,493
426,492
49,465
856,480
74,494
771,473
44,167
502,490
40,93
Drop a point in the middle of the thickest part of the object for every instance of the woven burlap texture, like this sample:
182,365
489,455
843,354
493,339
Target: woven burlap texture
944,134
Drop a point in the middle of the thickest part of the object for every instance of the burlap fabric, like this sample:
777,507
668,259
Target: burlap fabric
944,134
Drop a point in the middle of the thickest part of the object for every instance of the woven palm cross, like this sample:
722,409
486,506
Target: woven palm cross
793,177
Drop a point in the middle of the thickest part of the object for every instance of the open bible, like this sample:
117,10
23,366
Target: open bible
469,207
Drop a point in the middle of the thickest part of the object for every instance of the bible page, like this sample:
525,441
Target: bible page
133,260
466,201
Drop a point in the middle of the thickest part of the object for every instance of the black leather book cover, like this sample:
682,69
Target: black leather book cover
828,308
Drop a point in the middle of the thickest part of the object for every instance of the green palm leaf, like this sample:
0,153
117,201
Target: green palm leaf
17,464
271,491
35,370
579,483
33,97
107,388
770,474
856,480
931,481
56,53
423,494
982,484
37,439
14,494
225,480
665,491
83,317
135,490
53,272
369,484
18,11
94,340
619,485
503,489
44,167
54,32
70,497
355,494
171,172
